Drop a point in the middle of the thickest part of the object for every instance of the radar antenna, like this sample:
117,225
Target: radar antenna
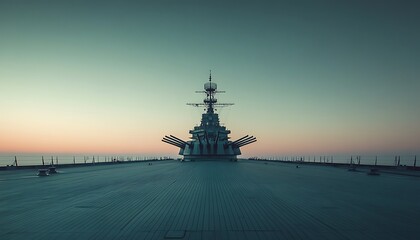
210,102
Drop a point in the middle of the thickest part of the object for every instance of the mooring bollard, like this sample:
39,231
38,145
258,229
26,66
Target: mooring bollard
52,170
43,172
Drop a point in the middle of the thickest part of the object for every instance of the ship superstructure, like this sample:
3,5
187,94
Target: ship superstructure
209,140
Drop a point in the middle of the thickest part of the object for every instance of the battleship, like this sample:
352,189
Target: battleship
209,140
200,200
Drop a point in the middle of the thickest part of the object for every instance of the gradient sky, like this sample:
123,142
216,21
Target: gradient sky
306,77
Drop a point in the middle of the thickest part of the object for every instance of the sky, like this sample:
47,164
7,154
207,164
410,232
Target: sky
306,77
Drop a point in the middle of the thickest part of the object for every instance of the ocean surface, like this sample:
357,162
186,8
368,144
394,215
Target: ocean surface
28,159
25,159
386,160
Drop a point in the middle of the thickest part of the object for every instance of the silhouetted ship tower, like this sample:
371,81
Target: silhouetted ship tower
209,141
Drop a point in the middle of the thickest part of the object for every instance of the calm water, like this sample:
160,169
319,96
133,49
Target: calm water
389,160
8,159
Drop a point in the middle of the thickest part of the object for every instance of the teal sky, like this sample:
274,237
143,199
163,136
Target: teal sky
306,77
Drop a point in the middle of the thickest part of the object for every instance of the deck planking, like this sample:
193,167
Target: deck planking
208,200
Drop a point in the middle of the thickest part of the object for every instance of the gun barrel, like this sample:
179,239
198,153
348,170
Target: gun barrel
168,139
246,143
239,139
172,143
180,140
244,140
175,140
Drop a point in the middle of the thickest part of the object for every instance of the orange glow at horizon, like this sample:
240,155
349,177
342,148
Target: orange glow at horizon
116,78
39,138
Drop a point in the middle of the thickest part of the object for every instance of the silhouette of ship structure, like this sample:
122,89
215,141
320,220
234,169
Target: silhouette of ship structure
209,199
209,140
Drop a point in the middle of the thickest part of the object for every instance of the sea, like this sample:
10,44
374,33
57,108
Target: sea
38,159
382,160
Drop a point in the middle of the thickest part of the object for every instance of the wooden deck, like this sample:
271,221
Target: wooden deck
208,200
